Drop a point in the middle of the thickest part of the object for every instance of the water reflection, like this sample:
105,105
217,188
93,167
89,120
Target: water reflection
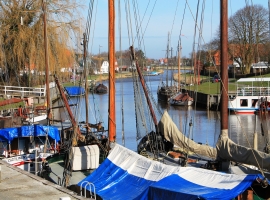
199,124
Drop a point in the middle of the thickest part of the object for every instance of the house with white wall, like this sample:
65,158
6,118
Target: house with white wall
104,69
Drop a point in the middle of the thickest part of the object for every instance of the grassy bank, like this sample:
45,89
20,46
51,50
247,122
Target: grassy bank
214,88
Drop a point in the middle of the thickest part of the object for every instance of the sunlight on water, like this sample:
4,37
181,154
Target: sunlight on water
205,124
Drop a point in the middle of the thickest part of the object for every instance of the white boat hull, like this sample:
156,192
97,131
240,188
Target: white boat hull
250,98
27,161
246,104
36,119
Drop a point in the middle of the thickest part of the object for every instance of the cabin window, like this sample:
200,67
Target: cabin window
254,102
244,102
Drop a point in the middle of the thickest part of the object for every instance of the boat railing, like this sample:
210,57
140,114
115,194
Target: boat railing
253,91
90,185
23,91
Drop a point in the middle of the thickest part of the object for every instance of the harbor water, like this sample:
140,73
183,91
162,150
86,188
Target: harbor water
197,123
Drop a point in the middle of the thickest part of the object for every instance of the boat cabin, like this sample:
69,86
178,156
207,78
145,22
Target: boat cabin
251,94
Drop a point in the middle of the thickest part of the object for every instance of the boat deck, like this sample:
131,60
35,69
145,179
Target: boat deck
167,160
19,184
58,168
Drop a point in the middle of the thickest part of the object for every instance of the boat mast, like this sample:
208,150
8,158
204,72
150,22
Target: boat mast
64,98
269,15
144,88
224,65
85,79
167,58
44,7
171,67
179,63
111,119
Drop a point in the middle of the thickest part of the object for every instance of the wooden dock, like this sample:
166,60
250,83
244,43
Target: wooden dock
17,184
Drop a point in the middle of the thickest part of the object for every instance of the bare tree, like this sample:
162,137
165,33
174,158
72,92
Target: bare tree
22,36
248,28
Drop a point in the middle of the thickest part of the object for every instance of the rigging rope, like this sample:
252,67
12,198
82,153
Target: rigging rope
121,64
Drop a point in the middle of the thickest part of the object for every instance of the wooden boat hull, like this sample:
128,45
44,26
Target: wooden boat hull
101,89
181,103
181,99
165,93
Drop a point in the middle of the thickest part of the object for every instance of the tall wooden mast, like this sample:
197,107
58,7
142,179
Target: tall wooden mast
111,120
144,89
85,79
48,98
224,65
179,64
167,56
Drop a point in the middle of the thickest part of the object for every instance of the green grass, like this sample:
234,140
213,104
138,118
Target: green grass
214,88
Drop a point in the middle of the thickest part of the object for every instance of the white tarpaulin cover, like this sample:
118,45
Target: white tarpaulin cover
171,133
85,157
128,175
227,149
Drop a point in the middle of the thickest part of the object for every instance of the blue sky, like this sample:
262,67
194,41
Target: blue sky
160,17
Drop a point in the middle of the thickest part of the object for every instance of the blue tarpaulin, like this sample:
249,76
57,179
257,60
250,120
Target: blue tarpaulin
26,131
9,133
75,90
128,175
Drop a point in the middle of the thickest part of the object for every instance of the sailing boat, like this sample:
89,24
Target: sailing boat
26,144
165,92
181,99
150,178
85,144
226,150
153,178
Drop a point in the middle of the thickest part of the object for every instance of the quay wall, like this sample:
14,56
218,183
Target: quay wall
210,101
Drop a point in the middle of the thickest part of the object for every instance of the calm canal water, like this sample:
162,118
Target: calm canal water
206,124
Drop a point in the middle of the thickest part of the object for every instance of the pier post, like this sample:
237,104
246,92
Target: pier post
208,102
255,141
36,162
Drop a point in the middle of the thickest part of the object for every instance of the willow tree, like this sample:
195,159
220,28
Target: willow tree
22,37
248,28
